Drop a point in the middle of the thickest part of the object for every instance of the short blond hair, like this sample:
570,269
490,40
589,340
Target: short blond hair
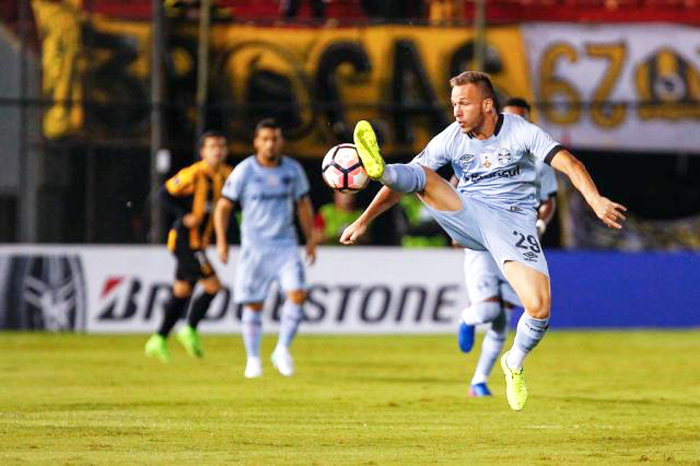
476,77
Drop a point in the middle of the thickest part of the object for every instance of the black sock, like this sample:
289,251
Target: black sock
174,309
200,306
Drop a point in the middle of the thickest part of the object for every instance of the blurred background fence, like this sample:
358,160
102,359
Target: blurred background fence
100,101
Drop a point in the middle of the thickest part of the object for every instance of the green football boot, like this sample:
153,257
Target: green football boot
189,338
516,390
157,347
368,149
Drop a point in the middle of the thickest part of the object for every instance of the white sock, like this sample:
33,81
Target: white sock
292,315
251,328
515,358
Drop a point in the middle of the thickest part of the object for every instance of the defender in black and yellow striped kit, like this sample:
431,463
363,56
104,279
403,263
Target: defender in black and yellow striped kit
191,195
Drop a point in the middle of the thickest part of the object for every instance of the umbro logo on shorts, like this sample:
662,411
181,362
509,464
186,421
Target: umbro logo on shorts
530,256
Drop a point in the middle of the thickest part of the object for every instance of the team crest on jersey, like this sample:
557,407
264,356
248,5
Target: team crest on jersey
504,156
465,160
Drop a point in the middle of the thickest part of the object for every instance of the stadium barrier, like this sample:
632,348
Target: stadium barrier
106,289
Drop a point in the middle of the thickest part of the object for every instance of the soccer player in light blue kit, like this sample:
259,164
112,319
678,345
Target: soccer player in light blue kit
270,188
491,298
493,208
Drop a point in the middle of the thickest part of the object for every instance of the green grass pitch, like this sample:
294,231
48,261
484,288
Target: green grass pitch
595,398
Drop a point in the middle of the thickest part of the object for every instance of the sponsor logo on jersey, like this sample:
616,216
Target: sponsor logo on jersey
508,173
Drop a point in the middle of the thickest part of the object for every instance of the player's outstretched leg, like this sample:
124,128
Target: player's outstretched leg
251,328
402,178
292,315
368,148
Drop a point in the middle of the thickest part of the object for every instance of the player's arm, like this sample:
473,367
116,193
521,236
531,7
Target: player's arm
385,199
222,214
305,212
608,212
174,193
545,213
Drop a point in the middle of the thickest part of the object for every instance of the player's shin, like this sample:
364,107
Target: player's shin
251,328
292,315
528,334
404,178
491,347
174,309
200,306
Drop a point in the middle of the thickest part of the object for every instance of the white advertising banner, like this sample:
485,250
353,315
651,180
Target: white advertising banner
622,87
107,289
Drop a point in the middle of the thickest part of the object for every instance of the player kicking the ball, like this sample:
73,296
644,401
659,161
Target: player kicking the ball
494,206
491,298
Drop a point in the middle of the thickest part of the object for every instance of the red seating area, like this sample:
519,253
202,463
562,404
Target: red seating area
498,11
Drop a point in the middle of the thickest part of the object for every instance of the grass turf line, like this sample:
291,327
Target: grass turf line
595,398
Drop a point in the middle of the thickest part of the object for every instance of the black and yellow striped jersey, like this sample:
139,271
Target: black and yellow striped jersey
194,189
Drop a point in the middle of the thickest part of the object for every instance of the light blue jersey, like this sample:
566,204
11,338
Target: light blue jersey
546,182
267,196
501,170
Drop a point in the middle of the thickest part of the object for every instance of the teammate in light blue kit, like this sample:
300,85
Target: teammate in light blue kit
491,298
269,187
493,208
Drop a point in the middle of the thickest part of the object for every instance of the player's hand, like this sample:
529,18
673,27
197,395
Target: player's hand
541,227
190,221
353,232
222,251
609,212
310,253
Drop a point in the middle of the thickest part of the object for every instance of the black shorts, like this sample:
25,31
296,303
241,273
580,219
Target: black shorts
192,264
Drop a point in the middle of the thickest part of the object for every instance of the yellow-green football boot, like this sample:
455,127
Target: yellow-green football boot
516,390
189,338
368,149
157,347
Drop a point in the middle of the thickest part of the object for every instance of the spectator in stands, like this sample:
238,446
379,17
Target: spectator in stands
333,218
445,11
290,8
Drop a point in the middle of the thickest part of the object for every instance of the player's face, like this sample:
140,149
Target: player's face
214,151
517,111
469,106
268,143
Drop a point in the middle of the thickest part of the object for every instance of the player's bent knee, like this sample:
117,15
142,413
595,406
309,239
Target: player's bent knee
538,306
211,285
182,289
297,296
255,307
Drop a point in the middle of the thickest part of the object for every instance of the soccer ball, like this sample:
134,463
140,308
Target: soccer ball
343,169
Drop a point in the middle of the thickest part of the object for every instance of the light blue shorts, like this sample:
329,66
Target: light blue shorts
260,265
484,280
506,235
